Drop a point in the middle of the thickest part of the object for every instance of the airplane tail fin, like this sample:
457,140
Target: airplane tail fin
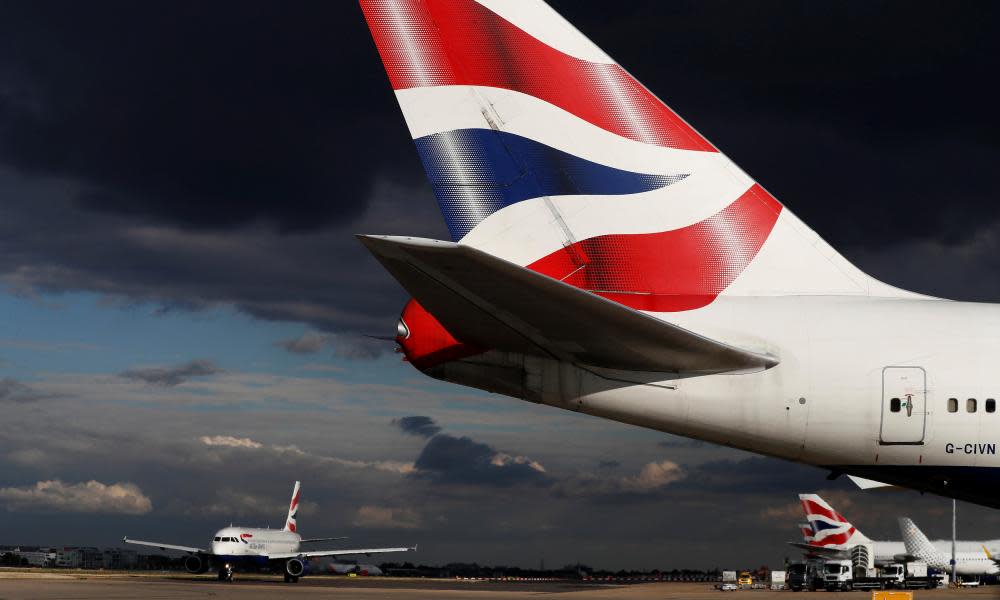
830,528
545,152
293,510
917,544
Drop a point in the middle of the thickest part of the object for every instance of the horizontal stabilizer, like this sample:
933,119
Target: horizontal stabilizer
868,484
491,303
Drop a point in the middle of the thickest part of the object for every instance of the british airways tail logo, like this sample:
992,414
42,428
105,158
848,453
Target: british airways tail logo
829,527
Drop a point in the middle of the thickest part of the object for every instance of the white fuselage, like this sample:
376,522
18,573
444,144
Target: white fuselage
253,542
970,558
827,402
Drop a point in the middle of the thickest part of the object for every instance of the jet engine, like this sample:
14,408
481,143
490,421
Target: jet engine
295,567
196,564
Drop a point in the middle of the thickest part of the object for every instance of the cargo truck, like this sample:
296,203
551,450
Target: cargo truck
844,575
805,576
777,580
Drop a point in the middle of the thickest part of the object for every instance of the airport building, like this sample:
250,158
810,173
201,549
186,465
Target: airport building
120,558
79,558
32,556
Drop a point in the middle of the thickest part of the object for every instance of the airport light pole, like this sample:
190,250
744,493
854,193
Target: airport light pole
954,527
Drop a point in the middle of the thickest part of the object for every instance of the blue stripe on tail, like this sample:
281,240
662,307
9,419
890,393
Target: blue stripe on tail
476,172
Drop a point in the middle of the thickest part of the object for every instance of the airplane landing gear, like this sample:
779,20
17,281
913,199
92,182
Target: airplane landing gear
226,573
291,578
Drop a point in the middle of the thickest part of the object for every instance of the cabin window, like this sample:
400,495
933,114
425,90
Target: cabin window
894,405
952,404
991,405
970,405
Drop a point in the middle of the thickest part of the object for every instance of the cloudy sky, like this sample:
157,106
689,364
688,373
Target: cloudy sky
182,300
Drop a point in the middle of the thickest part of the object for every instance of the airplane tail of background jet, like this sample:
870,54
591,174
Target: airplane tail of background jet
293,510
918,545
830,529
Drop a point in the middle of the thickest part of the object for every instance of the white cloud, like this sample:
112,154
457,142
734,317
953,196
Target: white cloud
230,441
655,475
88,497
389,466
386,517
502,460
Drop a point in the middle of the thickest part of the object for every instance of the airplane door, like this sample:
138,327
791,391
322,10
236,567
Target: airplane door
904,405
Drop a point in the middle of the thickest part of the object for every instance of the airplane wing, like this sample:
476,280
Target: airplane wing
166,546
490,302
319,553
330,539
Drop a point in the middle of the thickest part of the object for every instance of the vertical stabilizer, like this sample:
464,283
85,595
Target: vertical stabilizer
544,151
293,509
830,528
919,546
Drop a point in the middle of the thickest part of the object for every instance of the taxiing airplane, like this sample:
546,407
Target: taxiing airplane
278,549
831,535
606,258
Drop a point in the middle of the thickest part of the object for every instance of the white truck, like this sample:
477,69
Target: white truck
838,576
917,577
777,580
844,575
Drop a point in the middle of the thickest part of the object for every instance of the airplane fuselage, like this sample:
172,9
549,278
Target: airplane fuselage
247,544
970,558
830,400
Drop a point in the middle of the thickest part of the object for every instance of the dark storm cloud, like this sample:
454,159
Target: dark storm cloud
755,475
354,346
462,460
309,342
186,155
173,375
13,391
418,425
203,115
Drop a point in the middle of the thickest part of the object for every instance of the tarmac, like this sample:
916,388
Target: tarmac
85,585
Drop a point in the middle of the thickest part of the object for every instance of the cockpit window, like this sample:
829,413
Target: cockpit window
217,539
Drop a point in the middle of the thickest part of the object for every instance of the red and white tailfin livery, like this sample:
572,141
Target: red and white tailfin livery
830,528
293,509
607,258
545,152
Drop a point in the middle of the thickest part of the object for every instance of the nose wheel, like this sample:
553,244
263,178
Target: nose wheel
226,573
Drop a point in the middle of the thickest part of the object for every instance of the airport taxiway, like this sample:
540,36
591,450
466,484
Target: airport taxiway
86,585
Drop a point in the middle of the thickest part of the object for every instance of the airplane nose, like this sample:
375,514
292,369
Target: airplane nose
424,340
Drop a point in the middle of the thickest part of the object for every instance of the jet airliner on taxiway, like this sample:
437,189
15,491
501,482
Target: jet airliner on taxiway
606,258
275,548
